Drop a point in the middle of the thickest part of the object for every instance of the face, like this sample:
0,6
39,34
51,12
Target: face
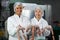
38,13
18,9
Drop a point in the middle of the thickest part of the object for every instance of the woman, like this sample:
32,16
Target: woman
17,24
39,25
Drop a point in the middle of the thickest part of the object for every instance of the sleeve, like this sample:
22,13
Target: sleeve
10,27
47,32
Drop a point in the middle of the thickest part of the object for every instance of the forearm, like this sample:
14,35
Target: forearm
53,35
18,35
51,29
25,37
33,32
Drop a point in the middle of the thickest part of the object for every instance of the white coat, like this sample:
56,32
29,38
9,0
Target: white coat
12,24
42,24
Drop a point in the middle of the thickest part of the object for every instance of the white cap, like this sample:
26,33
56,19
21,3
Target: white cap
37,7
16,4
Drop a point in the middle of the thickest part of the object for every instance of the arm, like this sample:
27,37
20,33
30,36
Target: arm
10,27
45,31
33,29
28,28
25,37
51,29
18,35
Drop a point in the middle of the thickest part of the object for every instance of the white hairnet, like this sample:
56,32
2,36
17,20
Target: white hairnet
40,9
16,4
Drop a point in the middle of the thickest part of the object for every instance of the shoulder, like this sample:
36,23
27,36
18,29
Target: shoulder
10,18
44,20
32,19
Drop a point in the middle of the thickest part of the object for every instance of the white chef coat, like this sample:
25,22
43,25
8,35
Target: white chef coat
12,24
42,23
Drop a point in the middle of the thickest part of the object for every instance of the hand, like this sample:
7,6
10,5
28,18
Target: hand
20,28
28,28
43,30
39,32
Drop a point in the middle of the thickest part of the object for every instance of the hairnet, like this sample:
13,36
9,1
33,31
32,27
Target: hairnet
37,7
16,4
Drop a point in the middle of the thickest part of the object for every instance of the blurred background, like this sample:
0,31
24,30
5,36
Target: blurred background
51,10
